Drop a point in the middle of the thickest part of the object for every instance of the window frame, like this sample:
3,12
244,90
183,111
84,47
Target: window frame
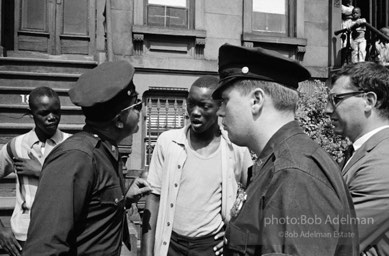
294,39
195,36
289,22
191,16
290,26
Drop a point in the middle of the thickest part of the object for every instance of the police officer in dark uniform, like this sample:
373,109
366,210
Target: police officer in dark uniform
80,206
296,202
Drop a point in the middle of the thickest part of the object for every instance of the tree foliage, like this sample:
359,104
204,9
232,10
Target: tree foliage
316,124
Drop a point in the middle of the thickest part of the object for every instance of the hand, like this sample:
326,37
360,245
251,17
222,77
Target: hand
369,252
359,21
138,188
9,243
219,247
29,167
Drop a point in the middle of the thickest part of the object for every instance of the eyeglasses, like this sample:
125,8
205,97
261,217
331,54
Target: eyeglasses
336,99
136,106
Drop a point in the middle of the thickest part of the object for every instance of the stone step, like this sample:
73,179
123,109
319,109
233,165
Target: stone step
46,65
7,191
7,203
19,76
17,119
7,198
18,79
18,114
18,95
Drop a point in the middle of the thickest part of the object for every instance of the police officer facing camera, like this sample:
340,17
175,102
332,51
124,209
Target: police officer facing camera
296,194
80,206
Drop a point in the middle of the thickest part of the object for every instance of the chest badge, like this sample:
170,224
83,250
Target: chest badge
240,199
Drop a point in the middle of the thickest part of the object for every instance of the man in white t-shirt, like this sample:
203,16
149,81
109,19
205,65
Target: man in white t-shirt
194,175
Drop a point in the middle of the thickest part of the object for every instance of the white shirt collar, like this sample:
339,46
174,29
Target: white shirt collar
359,142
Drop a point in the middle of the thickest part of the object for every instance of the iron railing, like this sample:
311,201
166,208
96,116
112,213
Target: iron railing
346,51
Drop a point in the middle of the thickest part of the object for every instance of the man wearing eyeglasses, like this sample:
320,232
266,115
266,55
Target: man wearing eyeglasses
358,106
80,205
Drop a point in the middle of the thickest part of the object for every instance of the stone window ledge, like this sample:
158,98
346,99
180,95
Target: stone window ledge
168,31
252,37
191,38
295,45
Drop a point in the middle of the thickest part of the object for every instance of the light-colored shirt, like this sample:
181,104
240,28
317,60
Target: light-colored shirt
359,33
346,15
200,213
26,144
359,142
169,156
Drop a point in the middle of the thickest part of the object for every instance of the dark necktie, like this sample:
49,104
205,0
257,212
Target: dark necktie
347,155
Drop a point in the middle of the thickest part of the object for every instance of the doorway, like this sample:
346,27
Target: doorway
55,27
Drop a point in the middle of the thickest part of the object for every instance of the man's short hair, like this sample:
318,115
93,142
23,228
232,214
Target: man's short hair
368,77
40,92
207,81
284,98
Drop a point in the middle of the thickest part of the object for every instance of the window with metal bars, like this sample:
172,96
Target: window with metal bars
165,110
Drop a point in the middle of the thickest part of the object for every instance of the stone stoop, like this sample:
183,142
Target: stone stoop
18,76
7,201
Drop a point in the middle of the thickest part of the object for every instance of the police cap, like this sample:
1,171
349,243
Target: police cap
104,91
237,63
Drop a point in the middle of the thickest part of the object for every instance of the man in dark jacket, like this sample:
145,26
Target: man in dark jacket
296,202
80,205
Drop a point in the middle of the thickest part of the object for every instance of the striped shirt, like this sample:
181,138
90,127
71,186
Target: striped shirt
25,144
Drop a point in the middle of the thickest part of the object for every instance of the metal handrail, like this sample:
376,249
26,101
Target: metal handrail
370,27
347,32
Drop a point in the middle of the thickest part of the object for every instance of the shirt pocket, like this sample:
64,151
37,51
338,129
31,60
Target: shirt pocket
237,240
112,196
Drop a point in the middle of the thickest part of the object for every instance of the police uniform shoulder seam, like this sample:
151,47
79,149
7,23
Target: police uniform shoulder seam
306,174
79,142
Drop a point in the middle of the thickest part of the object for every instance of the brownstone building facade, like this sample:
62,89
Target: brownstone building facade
170,42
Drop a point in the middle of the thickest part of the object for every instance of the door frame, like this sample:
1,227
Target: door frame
54,26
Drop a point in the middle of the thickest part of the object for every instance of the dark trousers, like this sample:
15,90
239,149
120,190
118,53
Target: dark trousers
192,246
